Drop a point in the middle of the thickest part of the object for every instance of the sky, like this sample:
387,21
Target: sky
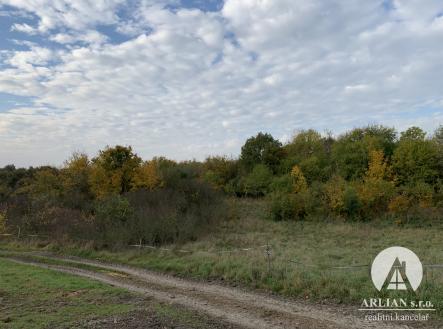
191,78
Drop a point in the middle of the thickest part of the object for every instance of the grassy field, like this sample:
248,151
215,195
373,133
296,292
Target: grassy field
37,298
302,256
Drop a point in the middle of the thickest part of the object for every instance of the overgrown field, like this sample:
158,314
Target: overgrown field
303,256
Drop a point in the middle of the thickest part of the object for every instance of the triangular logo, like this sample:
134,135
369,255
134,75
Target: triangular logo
397,278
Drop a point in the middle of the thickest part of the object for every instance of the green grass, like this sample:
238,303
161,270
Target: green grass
38,298
315,246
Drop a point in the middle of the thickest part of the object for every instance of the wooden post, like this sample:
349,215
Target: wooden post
268,255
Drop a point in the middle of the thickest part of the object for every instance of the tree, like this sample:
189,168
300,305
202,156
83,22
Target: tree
299,181
351,151
378,186
113,170
218,171
438,135
46,184
261,149
147,176
310,151
378,168
416,158
305,144
11,179
413,134
75,179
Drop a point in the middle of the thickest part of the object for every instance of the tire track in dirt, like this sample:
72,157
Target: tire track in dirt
245,309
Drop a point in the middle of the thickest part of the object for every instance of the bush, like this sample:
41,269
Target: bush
283,206
257,182
400,206
282,184
2,221
334,190
174,215
112,216
352,203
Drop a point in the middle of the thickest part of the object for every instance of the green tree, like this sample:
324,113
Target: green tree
261,149
311,152
351,151
416,158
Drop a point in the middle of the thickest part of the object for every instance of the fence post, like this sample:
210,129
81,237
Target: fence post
18,234
268,255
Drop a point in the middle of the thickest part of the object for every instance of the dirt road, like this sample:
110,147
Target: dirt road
232,305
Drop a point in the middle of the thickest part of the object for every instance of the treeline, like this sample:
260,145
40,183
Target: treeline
115,198
366,173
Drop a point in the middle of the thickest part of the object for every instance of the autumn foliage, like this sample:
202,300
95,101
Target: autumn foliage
367,173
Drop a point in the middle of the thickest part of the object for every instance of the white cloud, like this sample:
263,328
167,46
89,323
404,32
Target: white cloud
77,14
190,84
24,28
89,37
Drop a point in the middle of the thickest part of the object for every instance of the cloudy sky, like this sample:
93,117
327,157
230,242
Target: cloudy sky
189,78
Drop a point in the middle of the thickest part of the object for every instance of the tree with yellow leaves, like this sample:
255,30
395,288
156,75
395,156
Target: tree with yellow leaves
334,191
298,179
76,172
378,185
378,168
147,176
113,171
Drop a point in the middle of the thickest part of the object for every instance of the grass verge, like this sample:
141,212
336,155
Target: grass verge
37,298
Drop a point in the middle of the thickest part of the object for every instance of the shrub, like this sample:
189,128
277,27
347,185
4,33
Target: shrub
282,184
420,193
334,190
400,205
351,203
257,182
2,221
283,206
169,215
219,171
112,215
